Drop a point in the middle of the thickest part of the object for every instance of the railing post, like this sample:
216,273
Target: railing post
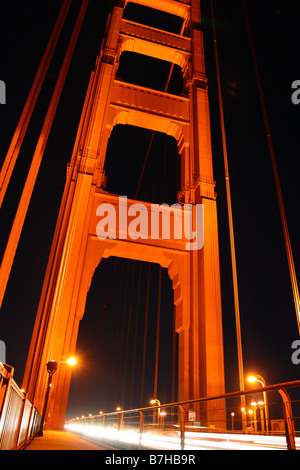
29,427
288,419
182,428
19,423
4,395
141,428
119,422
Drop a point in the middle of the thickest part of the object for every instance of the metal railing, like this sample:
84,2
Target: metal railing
214,422
19,419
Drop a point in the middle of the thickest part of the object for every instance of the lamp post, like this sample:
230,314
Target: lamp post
157,402
244,416
262,419
251,420
254,406
51,369
232,421
261,380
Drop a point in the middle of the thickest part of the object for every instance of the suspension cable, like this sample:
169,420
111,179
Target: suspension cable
157,334
145,335
230,217
19,220
276,176
128,335
136,332
19,134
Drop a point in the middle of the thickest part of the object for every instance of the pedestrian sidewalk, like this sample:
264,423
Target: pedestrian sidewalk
63,440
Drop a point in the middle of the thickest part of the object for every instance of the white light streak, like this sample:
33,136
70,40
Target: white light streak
193,440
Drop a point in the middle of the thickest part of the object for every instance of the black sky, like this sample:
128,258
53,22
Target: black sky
268,319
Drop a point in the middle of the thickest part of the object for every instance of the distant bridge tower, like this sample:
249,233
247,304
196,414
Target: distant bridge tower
76,249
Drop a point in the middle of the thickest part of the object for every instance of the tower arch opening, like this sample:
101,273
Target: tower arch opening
150,72
120,356
124,165
152,17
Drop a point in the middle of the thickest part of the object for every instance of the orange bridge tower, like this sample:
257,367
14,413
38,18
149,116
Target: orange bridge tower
77,249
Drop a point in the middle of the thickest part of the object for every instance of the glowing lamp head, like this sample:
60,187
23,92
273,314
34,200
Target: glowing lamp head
252,379
71,361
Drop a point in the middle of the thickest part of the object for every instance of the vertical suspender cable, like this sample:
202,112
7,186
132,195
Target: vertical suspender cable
230,218
157,334
18,223
106,392
145,336
18,137
135,334
119,366
276,177
125,363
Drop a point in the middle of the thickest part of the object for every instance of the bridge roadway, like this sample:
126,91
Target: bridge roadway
64,440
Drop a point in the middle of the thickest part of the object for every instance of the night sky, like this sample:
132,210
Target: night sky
268,319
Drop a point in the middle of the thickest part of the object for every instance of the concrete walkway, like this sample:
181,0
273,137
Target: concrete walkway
63,440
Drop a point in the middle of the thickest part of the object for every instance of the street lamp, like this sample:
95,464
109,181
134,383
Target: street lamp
72,361
157,402
261,380
51,369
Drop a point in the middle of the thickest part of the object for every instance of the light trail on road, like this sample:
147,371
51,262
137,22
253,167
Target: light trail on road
170,440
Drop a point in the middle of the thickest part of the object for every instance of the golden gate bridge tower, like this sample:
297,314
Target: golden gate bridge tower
77,250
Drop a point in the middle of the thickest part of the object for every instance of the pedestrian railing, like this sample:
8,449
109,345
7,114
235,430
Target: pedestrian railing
19,419
213,422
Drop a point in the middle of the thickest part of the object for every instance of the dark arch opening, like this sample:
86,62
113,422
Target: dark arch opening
125,157
152,17
110,346
150,72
